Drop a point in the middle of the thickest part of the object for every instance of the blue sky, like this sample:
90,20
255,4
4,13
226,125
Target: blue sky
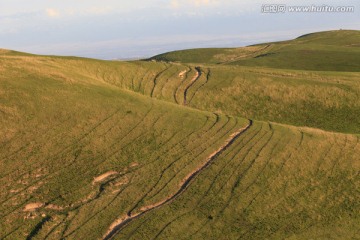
111,29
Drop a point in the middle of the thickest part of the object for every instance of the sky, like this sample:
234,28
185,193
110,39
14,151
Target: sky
123,29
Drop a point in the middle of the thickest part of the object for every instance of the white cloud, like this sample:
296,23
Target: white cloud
97,10
199,3
52,13
192,3
55,13
174,4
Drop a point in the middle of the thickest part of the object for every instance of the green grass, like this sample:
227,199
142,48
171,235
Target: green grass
326,100
60,133
67,121
325,51
203,55
316,99
277,182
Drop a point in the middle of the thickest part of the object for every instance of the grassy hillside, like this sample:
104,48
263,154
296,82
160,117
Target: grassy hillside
276,182
323,100
94,149
61,131
325,51
326,100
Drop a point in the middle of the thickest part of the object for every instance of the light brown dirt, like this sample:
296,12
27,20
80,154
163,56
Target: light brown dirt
104,176
33,206
134,164
182,74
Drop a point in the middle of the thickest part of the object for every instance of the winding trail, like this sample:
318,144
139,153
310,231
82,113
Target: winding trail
118,224
193,80
156,79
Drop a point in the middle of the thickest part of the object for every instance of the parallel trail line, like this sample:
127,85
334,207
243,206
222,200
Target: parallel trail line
192,82
117,225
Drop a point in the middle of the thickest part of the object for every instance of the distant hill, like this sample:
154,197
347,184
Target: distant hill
323,51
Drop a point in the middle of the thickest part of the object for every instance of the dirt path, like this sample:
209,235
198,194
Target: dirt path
193,80
118,224
183,75
104,176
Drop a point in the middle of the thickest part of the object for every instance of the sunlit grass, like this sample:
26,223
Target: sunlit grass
84,142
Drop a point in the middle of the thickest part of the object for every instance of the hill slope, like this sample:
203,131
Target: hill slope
326,100
76,151
325,51
84,155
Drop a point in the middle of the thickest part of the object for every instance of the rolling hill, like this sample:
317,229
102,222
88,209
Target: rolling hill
325,51
327,100
93,149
